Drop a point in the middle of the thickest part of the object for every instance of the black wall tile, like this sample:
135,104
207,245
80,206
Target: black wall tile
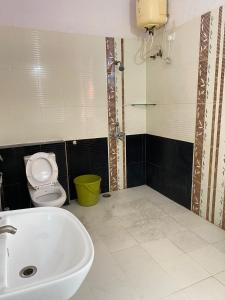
136,148
162,152
13,166
168,153
185,156
29,150
15,196
136,160
169,168
10,167
88,156
15,191
164,164
136,174
98,153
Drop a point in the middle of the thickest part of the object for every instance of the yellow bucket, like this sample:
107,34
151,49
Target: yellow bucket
88,189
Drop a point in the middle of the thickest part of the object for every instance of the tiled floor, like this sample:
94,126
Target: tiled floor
148,248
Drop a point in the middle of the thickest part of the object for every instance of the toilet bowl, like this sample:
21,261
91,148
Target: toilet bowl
42,176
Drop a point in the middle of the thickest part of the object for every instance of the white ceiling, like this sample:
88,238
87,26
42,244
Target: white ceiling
182,11
98,17
95,17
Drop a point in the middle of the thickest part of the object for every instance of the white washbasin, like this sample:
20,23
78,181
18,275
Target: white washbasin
51,240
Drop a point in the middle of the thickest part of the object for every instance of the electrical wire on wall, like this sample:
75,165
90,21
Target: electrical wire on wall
155,44
168,43
148,48
145,49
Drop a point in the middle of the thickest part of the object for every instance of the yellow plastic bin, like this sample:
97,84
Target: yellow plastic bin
88,189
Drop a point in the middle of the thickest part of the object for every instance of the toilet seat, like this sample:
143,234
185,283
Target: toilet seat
52,195
41,170
42,176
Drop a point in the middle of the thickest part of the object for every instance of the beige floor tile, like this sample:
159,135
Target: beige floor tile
209,289
162,250
133,219
220,246
221,277
146,232
177,296
187,241
209,232
84,293
189,220
211,259
149,248
144,274
118,240
184,270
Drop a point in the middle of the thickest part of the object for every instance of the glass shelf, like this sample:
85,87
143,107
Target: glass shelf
143,104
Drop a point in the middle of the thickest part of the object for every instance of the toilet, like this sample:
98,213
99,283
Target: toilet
42,176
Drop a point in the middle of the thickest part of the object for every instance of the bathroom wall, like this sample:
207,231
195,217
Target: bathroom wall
73,159
121,94
172,87
15,192
189,94
59,86
169,168
184,11
53,86
208,194
136,160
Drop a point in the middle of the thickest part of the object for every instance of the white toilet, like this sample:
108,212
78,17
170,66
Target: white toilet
42,176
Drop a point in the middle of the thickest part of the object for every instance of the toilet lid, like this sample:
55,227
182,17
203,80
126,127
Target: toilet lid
41,169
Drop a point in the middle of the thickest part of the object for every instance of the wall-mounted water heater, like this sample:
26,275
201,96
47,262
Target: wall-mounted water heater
151,13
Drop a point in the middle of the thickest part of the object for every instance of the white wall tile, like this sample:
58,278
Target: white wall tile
53,86
173,87
135,89
135,119
175,121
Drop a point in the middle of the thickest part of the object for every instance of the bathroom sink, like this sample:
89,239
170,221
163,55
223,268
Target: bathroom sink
47,258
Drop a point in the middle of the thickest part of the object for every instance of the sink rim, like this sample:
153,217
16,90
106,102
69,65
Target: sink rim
86,261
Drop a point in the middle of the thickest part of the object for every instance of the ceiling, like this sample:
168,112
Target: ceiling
95,17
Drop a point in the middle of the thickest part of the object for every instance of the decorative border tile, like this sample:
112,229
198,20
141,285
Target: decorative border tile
116,111
208,193
111,95
201,99
213,125
123,118
218,129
